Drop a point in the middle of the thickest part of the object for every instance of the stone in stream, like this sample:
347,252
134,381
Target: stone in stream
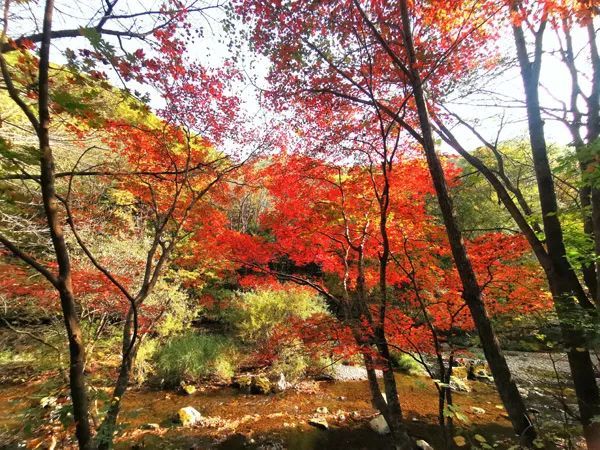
477,410
282,384
459,385
189,416
188,388
260,385
319,422
379,425
423,445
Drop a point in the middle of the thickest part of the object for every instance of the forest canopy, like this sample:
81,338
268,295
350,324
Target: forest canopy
344,224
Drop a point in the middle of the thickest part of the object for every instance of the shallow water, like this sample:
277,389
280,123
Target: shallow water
277,421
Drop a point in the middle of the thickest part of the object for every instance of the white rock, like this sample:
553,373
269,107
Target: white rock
477,410
282,384
379,425
189,416
423,445
458,385
319,422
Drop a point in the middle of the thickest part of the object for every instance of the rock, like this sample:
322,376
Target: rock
322,410
355,415
459,385
260,385
341,398
150,426
524,392
460,372
341,417
319,422
242,382
460,441
482,375
282,384
379,425
342,372
477,410
189,416
48,402
188,389
423,445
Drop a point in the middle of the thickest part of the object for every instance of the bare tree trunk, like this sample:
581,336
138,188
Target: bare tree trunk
507,388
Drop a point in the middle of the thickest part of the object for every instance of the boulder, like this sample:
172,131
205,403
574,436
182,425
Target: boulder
243,382
189,416
322,410
188,388
260,385
459,385
460,372
150,426
379,425
319,422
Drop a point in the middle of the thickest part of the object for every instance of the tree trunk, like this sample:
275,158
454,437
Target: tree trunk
391,414
507,388
107,428
67,300
563,279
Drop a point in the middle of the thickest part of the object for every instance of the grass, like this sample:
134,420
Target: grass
190,357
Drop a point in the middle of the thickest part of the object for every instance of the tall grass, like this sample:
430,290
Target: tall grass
190,357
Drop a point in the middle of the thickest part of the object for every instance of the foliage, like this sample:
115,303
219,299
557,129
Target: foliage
255,314
291,360
190,357
405,363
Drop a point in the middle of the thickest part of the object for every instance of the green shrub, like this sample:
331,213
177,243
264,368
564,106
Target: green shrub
189,357
405,363
143,363
255,314
291,360
180,309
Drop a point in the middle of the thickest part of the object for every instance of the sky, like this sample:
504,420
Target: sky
212,50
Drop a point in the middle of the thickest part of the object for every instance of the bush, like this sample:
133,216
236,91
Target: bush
142,365
189,357
291,361
255,314
406,364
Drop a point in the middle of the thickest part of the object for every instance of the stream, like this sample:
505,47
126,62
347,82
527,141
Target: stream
235,420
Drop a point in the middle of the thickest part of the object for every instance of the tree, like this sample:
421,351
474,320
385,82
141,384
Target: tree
382,56
170,167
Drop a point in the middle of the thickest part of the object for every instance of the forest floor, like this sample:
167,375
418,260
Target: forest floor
236,420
